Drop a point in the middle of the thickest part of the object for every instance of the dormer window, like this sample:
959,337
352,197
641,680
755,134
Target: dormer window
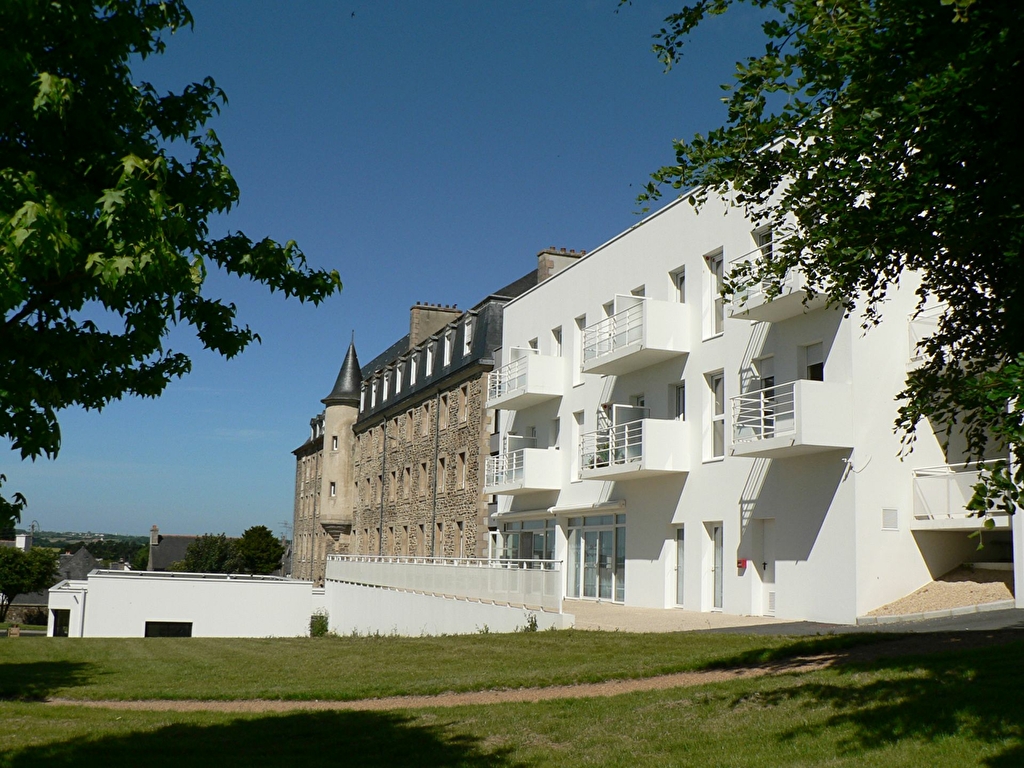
398,377
430,358
467,336
448,338
387,386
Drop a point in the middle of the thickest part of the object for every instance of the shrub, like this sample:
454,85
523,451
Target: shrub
319,624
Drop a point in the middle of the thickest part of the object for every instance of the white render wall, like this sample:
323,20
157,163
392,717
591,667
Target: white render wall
364,610
119,603
834,562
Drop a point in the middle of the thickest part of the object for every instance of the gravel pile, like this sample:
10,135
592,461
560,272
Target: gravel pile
960,587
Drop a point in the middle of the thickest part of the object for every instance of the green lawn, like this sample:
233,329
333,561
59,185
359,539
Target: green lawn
954,709
365,667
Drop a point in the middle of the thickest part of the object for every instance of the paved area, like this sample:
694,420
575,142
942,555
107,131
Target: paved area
591,614
611,618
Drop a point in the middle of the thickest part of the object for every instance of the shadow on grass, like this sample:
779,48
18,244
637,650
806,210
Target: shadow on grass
974,694
37,680
367,739
837,646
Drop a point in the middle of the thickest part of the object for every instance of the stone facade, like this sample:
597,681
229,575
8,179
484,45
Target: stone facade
404,504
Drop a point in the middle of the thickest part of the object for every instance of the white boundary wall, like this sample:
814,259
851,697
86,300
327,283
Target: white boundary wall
368,610
119,603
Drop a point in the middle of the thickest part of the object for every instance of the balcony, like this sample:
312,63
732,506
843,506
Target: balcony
525,470
941,495
635,449
759,301
792,419
641,333
530,378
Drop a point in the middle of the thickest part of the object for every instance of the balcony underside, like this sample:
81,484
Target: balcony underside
516,487
780,447
621,472
631,357
782,307
520,399
960,523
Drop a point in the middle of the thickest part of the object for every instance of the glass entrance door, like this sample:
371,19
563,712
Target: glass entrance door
597,562
719,571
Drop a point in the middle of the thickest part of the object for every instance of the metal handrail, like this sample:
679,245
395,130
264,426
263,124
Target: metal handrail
616,445
523,563
509,377
504,468
921,325
618,330
764,413
943,492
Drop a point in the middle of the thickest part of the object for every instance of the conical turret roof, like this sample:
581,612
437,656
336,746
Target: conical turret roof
346,387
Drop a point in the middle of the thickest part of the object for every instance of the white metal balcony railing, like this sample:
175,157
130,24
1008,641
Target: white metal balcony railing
774,299
527,583
614,332
943,492
509,378
505,469
616,445
764,413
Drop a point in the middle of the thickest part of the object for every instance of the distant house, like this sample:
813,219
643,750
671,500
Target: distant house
165,550
78,565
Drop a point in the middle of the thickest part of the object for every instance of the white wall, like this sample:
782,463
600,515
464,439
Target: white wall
370,610
834,561
118,604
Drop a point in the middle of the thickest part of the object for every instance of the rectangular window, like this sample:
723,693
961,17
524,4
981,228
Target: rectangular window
413,365
407,482
556,341
439,541
421,541
679,399
678,279
440,475
448,338
442,413
577,433
393,486
425,420
461,550
387,385
460,468
362,398
467,337
764,238
640,290
716,304
423,478
334,442
334,489
814,369
373,393
399,375
556,428
430,358
409,425
715,447
464,403
577,345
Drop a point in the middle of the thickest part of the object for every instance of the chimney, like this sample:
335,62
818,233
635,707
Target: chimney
553,260
154,536
427,319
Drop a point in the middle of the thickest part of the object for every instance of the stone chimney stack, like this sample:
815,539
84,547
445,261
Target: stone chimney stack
553,260
154,536
427,319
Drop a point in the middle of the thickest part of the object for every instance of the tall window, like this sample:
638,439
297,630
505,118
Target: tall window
425,420
577,433
387,385
716,390
448,338
460,468
716,274
763,238
464,403
577,344
556,341
414,360
399,375
442,413
467,336
393,486
814,368
679,399
430,358
423,478
407,482
440,474
679,285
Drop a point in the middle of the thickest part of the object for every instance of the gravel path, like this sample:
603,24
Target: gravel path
906,646
960,587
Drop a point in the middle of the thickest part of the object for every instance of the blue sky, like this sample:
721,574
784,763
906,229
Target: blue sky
426,151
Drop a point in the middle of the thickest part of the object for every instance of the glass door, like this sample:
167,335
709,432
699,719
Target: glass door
606,543
719,570
590,567
680,551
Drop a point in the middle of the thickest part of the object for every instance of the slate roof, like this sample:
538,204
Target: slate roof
78,565
168,549
346,386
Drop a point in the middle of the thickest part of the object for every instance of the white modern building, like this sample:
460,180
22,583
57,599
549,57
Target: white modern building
675,450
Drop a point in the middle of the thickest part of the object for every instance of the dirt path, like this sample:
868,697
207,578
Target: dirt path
907,646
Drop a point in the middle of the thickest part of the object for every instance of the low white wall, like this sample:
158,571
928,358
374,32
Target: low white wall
118,604
369,610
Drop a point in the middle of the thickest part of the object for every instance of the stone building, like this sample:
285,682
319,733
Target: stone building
395,463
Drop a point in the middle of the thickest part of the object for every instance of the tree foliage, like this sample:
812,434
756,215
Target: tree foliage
210,553
876,137
259,551
22,572
106,190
